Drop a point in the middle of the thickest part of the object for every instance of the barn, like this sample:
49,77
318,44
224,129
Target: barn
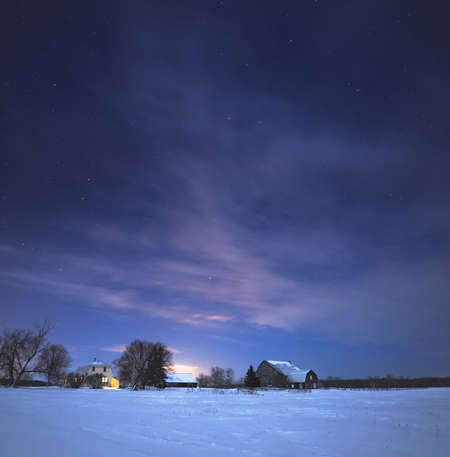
180,380
284,374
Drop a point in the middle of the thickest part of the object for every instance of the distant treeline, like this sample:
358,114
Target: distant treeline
24,383
388,382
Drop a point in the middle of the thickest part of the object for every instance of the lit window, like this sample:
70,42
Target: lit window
104,379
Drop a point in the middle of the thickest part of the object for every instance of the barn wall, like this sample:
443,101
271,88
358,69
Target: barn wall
312,381
181,384
268,376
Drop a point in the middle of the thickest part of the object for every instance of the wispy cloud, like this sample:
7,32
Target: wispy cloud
122,347
6,248
216,270
180,368
115,348
279,228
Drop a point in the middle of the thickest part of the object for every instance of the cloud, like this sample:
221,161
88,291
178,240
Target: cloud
109,234
6,248
115,348
180,368
121,300
121,348
282,227
218,268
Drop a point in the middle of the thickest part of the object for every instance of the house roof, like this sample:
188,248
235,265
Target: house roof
95,363
98,362
291,371
180,377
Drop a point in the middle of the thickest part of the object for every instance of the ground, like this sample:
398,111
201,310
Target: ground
53,422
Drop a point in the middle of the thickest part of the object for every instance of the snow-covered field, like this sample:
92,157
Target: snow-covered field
40,422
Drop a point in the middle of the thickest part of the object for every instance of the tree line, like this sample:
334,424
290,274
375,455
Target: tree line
386,382
24,353
224,378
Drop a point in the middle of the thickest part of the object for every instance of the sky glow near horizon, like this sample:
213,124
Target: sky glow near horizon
239,183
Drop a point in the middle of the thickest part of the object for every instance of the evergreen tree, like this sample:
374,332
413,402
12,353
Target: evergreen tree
251,380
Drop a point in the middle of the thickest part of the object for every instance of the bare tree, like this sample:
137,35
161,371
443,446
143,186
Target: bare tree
6,357
20,351
217,377
203,380
53,362
229,377
132,364
144,364
158,365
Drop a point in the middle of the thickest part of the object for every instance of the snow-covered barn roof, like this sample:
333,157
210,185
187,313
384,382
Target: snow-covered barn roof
180,377
293,373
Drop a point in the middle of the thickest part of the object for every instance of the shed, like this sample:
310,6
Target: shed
181,380
280,373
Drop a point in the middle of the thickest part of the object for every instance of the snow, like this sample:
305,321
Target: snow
181,377
98,362
293,373
53,422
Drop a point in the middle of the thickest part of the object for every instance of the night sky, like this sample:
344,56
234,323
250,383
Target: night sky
242,180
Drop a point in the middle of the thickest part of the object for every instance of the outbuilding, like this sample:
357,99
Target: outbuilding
284,374
181,380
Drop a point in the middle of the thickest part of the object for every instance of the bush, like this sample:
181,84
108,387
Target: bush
74,380
94,381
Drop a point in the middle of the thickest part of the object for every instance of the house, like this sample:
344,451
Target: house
181,380
97,367
276,373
